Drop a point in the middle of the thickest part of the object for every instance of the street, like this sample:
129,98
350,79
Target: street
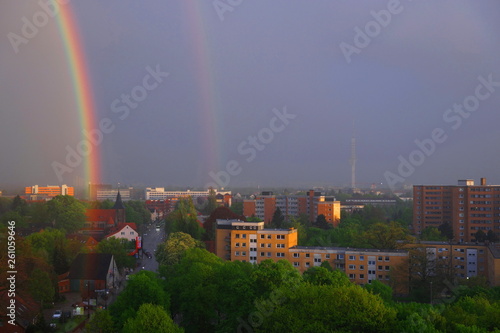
150,240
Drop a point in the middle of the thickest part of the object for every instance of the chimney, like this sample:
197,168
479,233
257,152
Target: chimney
483,181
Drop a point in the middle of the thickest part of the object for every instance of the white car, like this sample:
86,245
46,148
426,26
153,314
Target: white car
57,314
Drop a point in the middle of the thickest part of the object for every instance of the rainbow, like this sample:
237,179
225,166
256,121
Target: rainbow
213,161
81,85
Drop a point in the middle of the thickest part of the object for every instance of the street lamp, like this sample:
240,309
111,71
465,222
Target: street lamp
88,299
431,292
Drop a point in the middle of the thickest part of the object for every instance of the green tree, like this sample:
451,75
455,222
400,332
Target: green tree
184,219
432,234
278,220
66,213
151,319
100,322
322,223
480,236
323,308
388,236
59,258
491,236
322,276
120,249
192,285
19,205
143,287
237,207
136,212
170,252
446,230
269,276
378,288
41,287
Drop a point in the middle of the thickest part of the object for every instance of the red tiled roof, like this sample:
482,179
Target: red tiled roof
120,227
100,215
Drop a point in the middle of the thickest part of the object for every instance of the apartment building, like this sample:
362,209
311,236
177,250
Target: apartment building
312,204
468,208
159,193
36,192
251,242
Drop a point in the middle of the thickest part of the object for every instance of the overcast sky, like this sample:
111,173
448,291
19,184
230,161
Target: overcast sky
320,65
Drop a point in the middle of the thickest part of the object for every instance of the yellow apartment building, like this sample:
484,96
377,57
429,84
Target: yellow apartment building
251,242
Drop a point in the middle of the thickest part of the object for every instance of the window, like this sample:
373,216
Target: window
262,236
268,236
254,249
262,245
386,268
131,232
352,266
361,257
361,267
352,257
327,256
352,276
340,256
244,253
122,233
280,254
280,246
317,259
380,258
361,276
308,264
237,253
280,236
269,245
296,264
253,240
262,254
307,255
244,236
269,254
387,258
243,244
371,262
296,255
237,236
380,268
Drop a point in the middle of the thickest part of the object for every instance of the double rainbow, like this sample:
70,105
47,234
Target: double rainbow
84,98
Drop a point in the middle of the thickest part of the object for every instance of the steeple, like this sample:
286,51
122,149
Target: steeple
120,209
118,202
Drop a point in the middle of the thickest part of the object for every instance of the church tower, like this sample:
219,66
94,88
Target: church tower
119,209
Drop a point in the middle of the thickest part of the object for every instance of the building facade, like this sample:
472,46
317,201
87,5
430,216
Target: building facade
159,193
251,242
312,204
48,192
466,207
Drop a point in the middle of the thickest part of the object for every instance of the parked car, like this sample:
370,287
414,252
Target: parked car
57,314
149,255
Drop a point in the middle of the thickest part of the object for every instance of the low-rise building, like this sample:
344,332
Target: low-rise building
251,242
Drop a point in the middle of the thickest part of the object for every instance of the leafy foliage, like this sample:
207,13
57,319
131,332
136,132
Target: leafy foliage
66,213
151,319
